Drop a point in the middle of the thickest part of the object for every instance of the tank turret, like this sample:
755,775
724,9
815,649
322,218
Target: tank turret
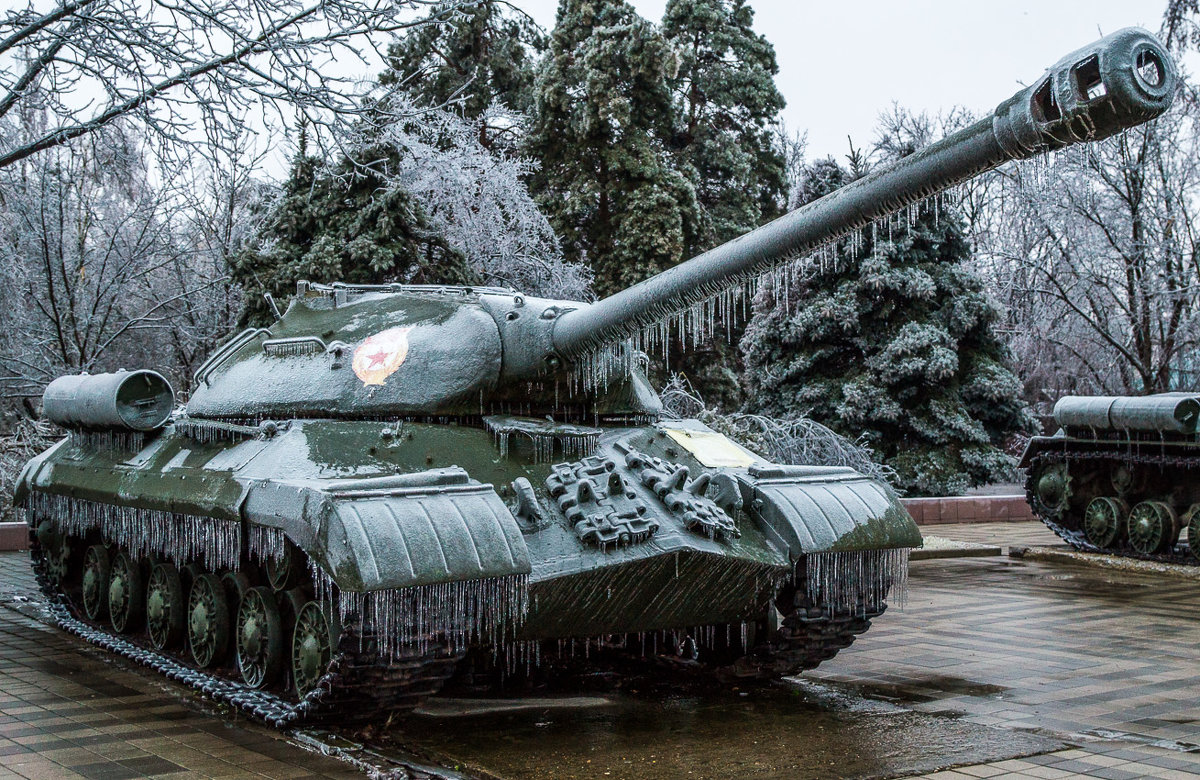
393,483
467,348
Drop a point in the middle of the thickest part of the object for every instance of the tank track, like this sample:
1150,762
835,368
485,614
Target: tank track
1075,537
359,687
806,639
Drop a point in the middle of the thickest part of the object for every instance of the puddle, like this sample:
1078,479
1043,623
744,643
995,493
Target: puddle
1108,735
440,707
808,730
923,688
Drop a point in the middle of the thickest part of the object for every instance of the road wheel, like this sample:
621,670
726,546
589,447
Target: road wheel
96,569
286,571
208,621
126,594
1153,527
311,647
1194,531
1104,520
166,607
260,640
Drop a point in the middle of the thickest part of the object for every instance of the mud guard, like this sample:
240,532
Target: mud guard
810,509
395,532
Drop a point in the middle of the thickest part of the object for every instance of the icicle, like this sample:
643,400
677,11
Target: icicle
857,582
209,431
458,613
118,441
177,537
265,543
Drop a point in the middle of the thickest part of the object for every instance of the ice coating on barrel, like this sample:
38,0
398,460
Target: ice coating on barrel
1115,83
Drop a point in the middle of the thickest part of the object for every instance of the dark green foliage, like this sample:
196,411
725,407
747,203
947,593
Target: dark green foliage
346,227
603,120
893,342
484,54
726,105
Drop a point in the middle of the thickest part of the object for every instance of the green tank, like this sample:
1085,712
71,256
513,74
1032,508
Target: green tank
1117,477
392,481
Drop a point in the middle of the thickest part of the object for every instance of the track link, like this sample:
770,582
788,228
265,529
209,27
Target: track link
359,687
1075,537
807,638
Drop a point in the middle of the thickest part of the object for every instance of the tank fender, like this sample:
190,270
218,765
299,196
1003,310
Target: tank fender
1037,445
397,531
808,509
29,473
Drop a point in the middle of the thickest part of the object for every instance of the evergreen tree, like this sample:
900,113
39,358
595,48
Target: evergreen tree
484,54
893,342
342,226
603,120
727,105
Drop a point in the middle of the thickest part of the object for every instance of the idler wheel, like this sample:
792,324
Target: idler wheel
311,647
126,594
208,621
260,640
1104,520
1153,527
166,608
96,569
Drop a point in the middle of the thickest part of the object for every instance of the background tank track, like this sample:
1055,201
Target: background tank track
359,687
1075,537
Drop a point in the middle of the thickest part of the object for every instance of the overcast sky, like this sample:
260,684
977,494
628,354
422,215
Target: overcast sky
842,62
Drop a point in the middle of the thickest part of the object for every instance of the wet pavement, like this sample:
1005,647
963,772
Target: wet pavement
801,731
68,710
997,667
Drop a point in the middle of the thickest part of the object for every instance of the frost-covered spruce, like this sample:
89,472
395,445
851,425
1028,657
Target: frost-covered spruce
481,56
726,108
893,340
603,122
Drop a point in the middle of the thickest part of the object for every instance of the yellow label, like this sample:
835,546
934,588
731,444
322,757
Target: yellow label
712,449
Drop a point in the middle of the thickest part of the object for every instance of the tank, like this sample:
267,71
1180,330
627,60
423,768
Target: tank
391,483
1117,476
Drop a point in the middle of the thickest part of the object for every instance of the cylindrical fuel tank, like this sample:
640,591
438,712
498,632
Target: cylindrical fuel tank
125,400
1174,412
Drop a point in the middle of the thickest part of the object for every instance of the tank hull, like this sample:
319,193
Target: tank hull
1119,477
416,536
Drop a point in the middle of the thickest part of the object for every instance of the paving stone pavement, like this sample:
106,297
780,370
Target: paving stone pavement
67,711
1105,660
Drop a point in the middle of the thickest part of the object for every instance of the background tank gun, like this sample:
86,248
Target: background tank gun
391,479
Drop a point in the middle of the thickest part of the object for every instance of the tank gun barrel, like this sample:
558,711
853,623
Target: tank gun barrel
1116,83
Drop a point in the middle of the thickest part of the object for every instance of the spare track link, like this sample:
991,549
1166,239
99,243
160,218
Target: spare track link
359,687
1076,537
806,639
